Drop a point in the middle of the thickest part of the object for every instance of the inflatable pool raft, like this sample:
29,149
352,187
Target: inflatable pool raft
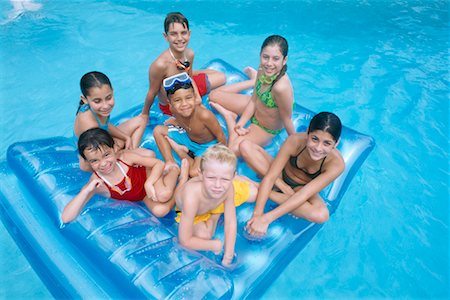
117,249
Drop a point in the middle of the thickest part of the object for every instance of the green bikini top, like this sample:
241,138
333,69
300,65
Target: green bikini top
266,96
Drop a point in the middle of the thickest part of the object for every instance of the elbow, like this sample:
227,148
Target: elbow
67,217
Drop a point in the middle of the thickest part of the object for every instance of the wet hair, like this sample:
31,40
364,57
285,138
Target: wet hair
90,80
282,43
328,122
177,86
175,17
94,139
220,153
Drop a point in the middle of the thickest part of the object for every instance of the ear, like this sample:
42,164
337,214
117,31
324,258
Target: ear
285,60
165,36
200,174
337,143
82,98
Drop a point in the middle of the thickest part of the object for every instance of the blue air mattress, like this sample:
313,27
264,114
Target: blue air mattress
120,250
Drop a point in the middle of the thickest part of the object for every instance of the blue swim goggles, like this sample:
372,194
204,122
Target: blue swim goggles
181,78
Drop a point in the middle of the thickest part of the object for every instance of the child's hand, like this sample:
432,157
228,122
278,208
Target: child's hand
227,260
151,193
257,226
217,247
93,185
241,130
128,143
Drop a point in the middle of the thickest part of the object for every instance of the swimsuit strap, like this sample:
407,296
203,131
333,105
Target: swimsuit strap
100,125
106,181
293,162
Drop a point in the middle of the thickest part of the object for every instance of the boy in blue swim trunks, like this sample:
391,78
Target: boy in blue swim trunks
195,129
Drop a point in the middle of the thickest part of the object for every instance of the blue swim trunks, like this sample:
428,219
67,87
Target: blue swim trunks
180,136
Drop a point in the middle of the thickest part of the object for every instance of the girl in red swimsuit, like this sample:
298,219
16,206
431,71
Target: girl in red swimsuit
123,176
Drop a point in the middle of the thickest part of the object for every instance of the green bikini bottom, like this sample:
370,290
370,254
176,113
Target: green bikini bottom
268,130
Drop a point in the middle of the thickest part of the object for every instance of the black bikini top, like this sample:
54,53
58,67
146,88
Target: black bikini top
293,162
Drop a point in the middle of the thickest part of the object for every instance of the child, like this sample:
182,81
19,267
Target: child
177,58
269,109
197,128
307,162
202,199
96,105
124,176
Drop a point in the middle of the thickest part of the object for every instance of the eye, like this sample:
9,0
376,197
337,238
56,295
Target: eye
109,97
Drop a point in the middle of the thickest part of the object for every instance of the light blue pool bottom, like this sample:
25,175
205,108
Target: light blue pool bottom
119,250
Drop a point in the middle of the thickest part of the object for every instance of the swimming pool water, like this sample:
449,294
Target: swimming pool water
382,66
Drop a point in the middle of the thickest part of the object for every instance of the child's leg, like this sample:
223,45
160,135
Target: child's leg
259,161
228,95
159,209
159,133
180,150
313,210
134,128
195,167
230,120
165,185
215,78
206,230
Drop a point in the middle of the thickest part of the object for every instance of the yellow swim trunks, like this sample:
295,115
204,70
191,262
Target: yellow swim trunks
241,194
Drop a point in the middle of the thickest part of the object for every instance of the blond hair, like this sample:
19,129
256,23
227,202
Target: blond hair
220,153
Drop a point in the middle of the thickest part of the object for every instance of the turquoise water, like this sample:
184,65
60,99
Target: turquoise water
382,66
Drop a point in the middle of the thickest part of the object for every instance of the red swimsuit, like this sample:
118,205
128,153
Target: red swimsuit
138,176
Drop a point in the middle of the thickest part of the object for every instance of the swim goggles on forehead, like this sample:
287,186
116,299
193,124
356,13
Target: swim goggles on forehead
181,78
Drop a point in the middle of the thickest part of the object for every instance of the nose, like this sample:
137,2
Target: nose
217,183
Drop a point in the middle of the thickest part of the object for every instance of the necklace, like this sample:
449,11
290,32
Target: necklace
182,66
267,79
186,127
116,188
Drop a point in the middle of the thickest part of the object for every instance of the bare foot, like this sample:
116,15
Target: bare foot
184,173
176,147
251,73
223,111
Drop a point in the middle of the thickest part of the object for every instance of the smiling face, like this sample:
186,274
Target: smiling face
177,36
272,60
182,102
320,144
217,178
102,160
101,100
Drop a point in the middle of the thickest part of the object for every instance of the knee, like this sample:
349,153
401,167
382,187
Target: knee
164,196
193,172
204,234
320,216
160,211
159,130
246,149
214,95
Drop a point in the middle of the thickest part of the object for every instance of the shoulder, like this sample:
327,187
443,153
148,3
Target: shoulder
160,63
204,113
189,53
335,161
191,188
282,85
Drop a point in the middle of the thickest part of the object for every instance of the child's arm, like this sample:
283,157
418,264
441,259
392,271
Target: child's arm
156,166
155,77
230,229
119,134
211,122
248,112
74,207
283,95
186,228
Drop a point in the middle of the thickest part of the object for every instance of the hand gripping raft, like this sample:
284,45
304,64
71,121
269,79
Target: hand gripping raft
117,249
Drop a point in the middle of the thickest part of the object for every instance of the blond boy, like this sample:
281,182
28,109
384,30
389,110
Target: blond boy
204,198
